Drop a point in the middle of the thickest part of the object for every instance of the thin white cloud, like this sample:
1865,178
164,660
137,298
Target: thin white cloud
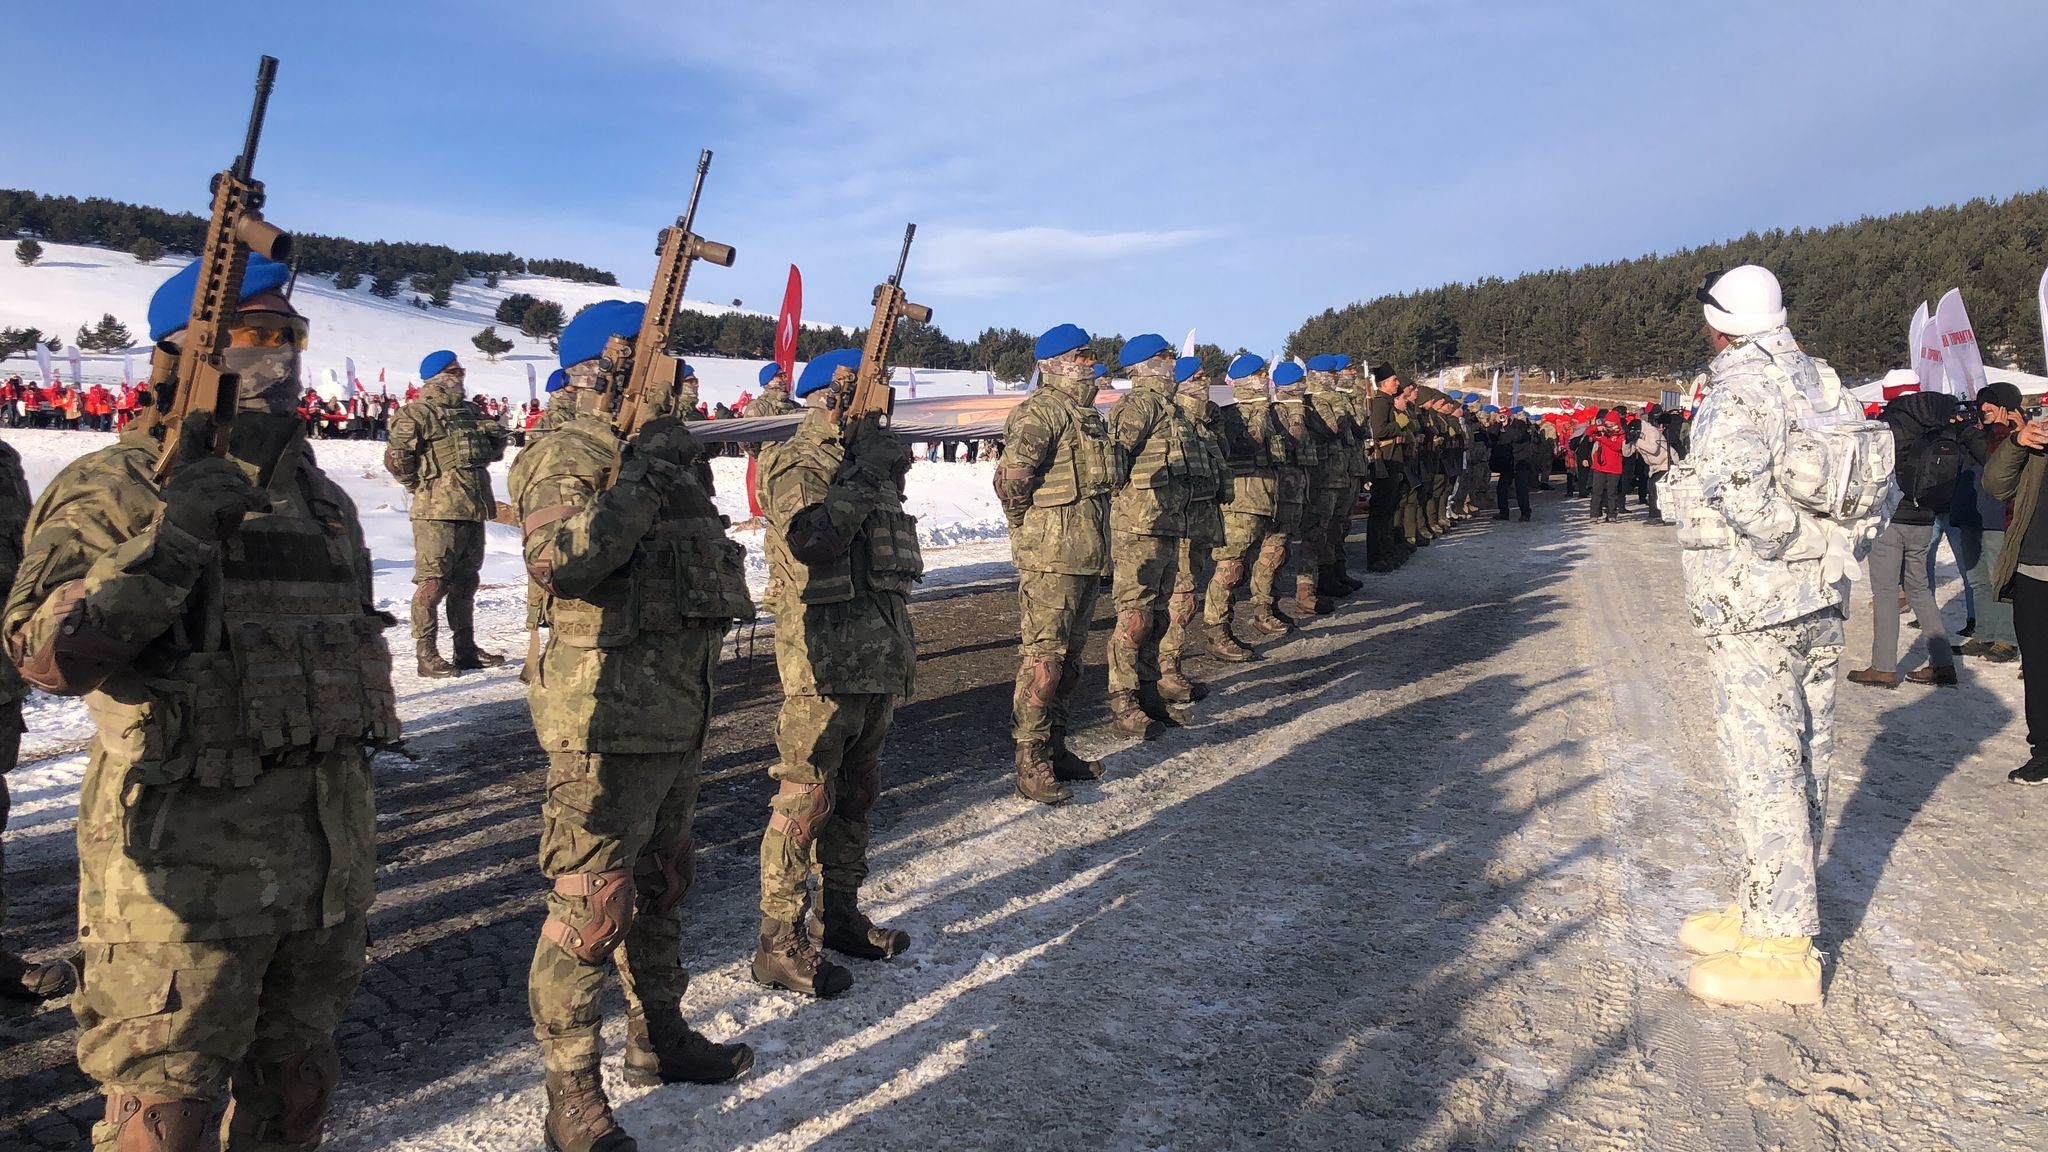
991,261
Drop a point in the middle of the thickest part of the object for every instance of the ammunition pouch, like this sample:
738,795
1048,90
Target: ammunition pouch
608,914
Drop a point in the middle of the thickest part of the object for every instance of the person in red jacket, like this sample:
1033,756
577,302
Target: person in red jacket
1606,439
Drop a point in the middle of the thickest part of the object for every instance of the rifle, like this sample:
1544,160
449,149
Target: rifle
192,374
871,391
643,374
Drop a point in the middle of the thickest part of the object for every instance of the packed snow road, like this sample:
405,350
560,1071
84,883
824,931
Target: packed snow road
1412,881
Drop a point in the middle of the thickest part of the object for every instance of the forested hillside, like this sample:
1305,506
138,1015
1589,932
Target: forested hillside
1851,290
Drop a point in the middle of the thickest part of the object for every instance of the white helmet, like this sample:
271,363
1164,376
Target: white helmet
1743,301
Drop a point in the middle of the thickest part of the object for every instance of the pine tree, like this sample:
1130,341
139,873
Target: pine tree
24,340
109,335
542,320
491,279
347,278
28,252
146,251
439,292
384,284
54,343
512,309
491,344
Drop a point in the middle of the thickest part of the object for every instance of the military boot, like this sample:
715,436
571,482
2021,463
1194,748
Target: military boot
1068,765
788,960
1174,685
1267,620
1129,717
579,1117
1035,778
1785,970
462,630
662,1048
1224,646
469,657
848,930
1328,583
1711,933
21,980
431,664
1156,706
1306,602
157,1124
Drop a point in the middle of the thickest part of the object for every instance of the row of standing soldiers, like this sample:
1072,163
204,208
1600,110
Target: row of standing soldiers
1178,501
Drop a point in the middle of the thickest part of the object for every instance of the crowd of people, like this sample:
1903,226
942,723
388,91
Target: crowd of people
85,407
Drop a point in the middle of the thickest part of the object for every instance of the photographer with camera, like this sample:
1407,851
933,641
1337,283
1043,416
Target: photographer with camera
2017,472
1999,409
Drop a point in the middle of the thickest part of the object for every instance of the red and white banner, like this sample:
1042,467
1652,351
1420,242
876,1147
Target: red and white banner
1961,360
532,382
43,363
1925,350
788,322
77,366
2044,308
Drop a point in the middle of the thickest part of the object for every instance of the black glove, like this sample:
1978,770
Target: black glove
207,496
875,451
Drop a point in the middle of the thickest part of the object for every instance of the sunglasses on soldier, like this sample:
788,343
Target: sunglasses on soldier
1705,292
268,330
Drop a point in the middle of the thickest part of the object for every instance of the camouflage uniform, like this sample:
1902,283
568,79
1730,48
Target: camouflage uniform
1054,483
1299,490
773,401
226,840
1329,405
842,555
1256,450
1153,446
636,584
441,449
18,979
1209,487
1755,582
1388,465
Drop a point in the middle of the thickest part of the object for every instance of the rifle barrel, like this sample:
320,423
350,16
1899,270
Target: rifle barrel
696,189
903,257
266,79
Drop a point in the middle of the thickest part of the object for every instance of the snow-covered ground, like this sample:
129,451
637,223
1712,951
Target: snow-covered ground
959,523
76,284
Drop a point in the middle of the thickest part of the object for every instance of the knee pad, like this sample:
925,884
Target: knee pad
1132,628
1181,609
662,878
1229,573
428,593
863,784
608,915
1041,691
296,1090
173,1124
800,811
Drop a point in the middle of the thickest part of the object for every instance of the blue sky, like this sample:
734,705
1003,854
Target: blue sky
1128,166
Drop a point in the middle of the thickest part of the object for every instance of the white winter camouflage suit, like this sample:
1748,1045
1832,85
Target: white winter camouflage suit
1773,622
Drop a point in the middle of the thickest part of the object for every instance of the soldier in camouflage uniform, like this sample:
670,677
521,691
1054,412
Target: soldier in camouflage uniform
224,636
1054,483
1209,487
1290,493
440,448
1329,405
1764,580
1152,446
1255,450
1314,453
1352,403
1384,451
842,555
774,400
636,583
19,979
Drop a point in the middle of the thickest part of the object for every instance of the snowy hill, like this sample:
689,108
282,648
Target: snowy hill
75,284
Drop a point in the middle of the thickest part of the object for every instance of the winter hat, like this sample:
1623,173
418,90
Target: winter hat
1742,301
1060,340
1186,367
585,337
557,380
1288,372
171,308
1322,363
436,363
2003,394
1139,349
1382,373
818,373
769,372
1245,365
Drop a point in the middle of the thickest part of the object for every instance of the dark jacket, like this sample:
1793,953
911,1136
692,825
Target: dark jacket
1913,418
2014,474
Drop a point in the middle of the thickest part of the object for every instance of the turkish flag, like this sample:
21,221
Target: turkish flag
787,323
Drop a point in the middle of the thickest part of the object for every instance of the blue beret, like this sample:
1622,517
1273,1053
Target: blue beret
1323,363
1060,340
1516,411
1287,373
1101,370
1139,349
1339,362
171,308
557,380
689,373
436,363
1246,365
818,373
1185,367
1489,409
769,372
585,337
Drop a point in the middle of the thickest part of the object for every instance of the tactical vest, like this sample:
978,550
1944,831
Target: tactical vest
1201,459
1307,453
461,443
885,556
285,664
1167,456
1079,469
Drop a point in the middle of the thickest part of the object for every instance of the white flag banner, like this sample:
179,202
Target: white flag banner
332,386
912,373
1031,385
532,382
1925,349
1961,360
43,364
76,361
1494,397
348,369
127,369
2044,311
1187,346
